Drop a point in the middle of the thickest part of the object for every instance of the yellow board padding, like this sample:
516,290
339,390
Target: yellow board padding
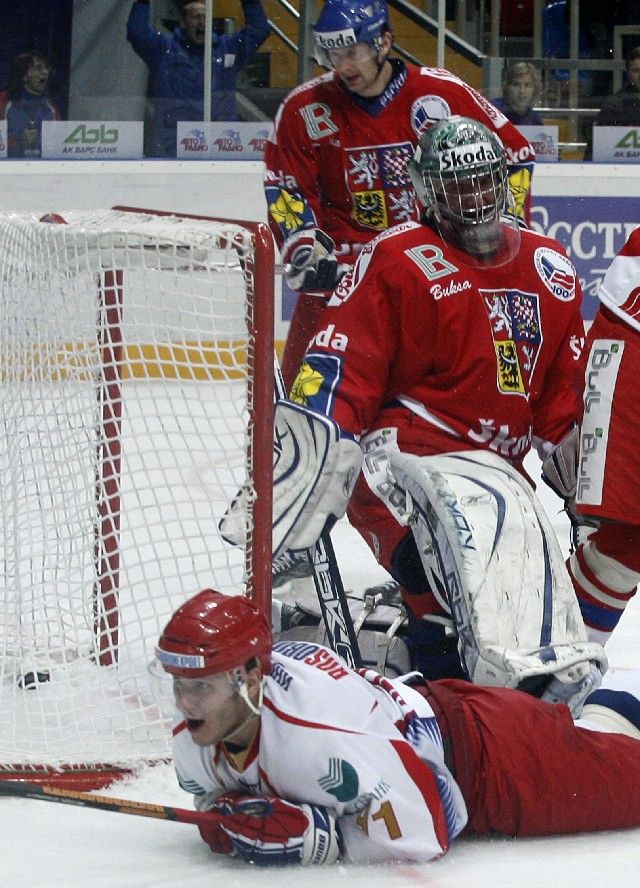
197,361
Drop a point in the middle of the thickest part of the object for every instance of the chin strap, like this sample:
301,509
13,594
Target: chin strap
238,682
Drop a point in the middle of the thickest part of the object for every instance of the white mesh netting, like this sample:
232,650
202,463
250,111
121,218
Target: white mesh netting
126,415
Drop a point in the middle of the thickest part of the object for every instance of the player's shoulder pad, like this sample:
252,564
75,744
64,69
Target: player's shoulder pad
303,92
383,245
538,238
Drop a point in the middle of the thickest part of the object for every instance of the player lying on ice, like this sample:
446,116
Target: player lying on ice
310,761
448,349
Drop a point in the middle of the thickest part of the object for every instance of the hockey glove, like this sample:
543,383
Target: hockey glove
213,833
560,467
311,265
272,832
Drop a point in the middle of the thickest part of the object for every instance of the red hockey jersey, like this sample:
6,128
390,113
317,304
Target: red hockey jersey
479,358
338,162
620,289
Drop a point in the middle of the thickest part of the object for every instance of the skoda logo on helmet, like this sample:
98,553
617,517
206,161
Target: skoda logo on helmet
466,155
335,39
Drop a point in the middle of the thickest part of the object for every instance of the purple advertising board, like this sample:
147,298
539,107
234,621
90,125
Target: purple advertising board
592,230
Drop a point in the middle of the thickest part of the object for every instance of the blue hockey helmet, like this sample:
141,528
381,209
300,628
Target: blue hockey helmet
344,23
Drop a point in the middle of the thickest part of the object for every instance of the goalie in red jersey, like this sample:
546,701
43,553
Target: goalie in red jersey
336,163
448,349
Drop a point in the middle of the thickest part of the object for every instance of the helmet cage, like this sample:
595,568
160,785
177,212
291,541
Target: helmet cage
345,23
459,171
469,197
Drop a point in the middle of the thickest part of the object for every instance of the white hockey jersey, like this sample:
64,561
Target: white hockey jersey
367,748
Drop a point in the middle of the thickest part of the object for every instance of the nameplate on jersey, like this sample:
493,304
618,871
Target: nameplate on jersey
221,140
545,141
92,139
616,144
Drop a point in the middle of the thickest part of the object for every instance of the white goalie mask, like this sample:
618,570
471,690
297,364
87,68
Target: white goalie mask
459,172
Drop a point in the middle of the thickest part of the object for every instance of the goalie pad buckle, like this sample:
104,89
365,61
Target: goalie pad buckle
500,563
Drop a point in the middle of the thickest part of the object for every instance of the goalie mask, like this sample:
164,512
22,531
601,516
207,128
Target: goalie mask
459,172
344,23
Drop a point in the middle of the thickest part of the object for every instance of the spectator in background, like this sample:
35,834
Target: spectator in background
176,65
623,109
26,104
521,90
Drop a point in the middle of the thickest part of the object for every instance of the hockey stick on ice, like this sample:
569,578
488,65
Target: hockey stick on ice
328,582
24,790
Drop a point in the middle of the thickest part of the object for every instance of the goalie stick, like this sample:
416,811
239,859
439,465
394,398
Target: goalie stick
23,789
328,582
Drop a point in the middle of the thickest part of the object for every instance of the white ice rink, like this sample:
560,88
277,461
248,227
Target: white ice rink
43,845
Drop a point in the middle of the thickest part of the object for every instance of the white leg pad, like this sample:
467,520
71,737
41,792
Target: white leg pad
499,560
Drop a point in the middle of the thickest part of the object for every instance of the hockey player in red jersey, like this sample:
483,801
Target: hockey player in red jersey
605,568
458,333
309,762
336,162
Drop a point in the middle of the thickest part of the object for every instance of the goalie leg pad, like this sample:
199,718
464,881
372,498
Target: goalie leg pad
499,561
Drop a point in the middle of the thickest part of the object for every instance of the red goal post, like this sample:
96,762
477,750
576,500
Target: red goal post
136,398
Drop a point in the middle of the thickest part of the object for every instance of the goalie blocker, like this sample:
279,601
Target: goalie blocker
314,473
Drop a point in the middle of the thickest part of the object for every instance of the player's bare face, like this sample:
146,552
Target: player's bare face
633,73
36,77
212,707
362,68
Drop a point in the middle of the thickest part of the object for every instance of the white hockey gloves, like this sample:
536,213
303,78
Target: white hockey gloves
560,466
271,832
311,265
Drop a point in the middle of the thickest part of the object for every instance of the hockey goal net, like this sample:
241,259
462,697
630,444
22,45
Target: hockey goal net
136,399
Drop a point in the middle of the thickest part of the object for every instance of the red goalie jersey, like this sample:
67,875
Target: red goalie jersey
485,358
338,162
431,355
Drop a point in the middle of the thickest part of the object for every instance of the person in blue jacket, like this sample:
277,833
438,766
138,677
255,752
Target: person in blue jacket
176,66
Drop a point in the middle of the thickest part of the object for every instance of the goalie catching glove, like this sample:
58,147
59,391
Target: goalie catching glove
311,265
271,832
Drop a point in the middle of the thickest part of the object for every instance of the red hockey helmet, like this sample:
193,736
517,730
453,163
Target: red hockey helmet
212,632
